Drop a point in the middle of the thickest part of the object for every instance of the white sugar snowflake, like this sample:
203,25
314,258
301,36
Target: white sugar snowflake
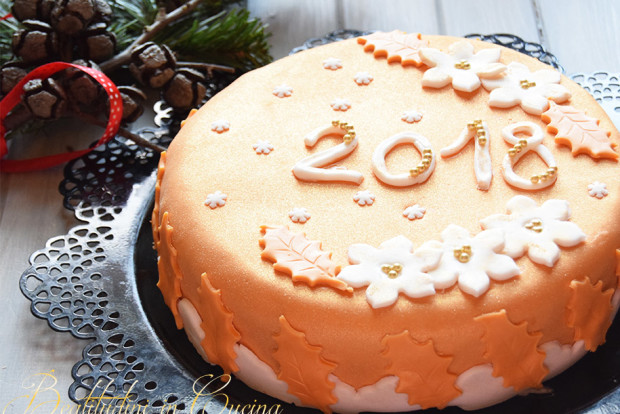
282,91
332,63
598,189
411,116
531,90
220,126
339,104
263,147
472,260
536,230
460,66
392,268
363,78
215,200
364,198
414,212
299,215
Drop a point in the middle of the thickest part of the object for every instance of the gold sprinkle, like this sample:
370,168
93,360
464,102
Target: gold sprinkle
471,125
535,179
427,151
426,162
414,172
463,64
392,274
523,142
463,257
512,152
386,268
398,267
482,141
336,123
466,248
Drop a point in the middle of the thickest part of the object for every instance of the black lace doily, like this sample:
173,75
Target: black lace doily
98,282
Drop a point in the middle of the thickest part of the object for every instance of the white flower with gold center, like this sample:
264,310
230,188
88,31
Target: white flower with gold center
299,215
220,126
363,78
531,90
472,260
537,231
282,91
364,198
215,200
332,63
391,269
340,104
460,66
263,147
414,212
598,190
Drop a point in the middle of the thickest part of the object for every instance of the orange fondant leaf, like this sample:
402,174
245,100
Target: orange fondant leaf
169,272
217,324
191,113
301,258
422,373
618,266
513,351
155,216
573,128
397,46
589,312
303,368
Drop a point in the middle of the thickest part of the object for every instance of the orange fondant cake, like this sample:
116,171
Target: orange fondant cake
391,223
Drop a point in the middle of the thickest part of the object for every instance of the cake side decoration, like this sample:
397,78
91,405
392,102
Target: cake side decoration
531,90
423,374
411,116
263,147
168,267
598,190
302,259
364,198
521,146
537,231
363,78
473,261
303,368
220,126
215,200
310,168
282,91
396,46
589,311
478,131
581,133
299,215
161,167
460,67
418,174
414,212
509,345
392,268
220,335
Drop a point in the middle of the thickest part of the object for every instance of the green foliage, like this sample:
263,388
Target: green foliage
7,28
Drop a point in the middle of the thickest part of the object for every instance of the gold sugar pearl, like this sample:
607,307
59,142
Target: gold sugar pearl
463,64
392,270
535,179
512,152
414,172
482,140
398,267
523,142
336,124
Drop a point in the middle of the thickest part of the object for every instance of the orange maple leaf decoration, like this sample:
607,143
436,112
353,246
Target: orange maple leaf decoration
303,368
513,351
422,373
155,216
397,46
589,312
618,266
217,324
191,113
581,133
169,272
302,259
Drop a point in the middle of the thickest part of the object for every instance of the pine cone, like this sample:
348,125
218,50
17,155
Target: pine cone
81,88
103,12
97,43
36,43
32,9
186,89
132,102
72,16
10,75
44,98
152,64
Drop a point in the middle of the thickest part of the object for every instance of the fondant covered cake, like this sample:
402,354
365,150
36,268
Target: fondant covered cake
391,223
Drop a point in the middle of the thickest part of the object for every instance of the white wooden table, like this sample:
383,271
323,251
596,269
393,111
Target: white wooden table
584,35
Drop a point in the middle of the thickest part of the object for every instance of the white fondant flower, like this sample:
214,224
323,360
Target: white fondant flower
411,116
363,78
371,267
472,260
263,147
460,66
536,230
339,104
220,126
414,212
282,91
299,215
332,63
215,200
598,189
531,90
364,198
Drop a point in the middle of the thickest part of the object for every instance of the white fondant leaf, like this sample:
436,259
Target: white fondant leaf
566,233
435,78
465,80
444,276
557,92
353,276
456,233
544,252
474,282
534,103
461,50
547,76
503,97
502,267
429,255
493,239
380,294
520,204
397,243
490,55
556,209
491,70
359,251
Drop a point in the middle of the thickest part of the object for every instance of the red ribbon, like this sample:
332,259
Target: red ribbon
43,72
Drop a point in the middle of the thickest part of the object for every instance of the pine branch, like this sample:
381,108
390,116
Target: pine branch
7,28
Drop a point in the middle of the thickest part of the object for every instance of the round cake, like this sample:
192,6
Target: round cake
391,223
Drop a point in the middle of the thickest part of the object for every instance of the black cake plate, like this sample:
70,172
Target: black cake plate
98,282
